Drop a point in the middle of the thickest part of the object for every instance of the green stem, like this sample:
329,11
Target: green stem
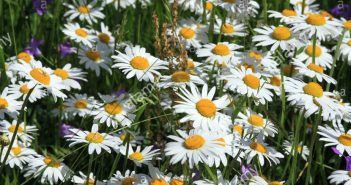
292,177
89,169
314,47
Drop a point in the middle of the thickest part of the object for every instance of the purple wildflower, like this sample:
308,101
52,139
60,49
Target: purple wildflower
65,130
65,49
247,172
348,163
336,151
33,47
40,6
342,10
120,92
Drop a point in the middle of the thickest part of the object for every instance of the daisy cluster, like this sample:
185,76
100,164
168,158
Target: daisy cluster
232,100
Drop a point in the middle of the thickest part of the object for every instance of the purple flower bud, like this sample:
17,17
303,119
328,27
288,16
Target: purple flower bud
40,6
348,163
120,92
247,172
65,49
336,151
33,47
65,130
342,10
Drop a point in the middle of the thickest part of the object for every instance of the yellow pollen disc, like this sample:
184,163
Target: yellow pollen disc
209,6
176,182
93,55
180,76
281,33
25,57
275,81
299,148
16,150
124,136
94,137
81,32
187,33
190,64
309,51
249,66
229,1
347,25
227,28
239,129
289,13
256,55
316,20
104,38
137,156
12,129
3,103
129,181
258,147
313,89
84,9
139,63
275,183
91,182
345,139
252,81
158,182
24,89
349,43
113,108
326,14
256,120
221,49
61,73
194,142
81,104
206,108
40,75
315,68
222,141
51,162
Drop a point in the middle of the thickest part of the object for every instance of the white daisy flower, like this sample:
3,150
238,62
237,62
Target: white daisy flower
129,177
82,179
24,134
22,57
301,149
285,16
121,3
113,111
220,180
277,37
79,34
70,76
191,33
231,27
200,108
345,48
21,90
307,5
257,180
95,58
79,104
19,156
139,156
222,52
137,62
105,37
313,71
336,136
9,105
179,79
94,139
194,147
85,11
256,123
340,177
322,56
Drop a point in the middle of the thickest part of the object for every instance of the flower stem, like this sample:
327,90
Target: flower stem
89,169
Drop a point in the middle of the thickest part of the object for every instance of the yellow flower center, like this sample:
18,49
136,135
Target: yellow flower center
316,20
81,104
176,182
313,89
194,142
239,129
61,73
315,68
309,50
349,43
275,183
258,147
41,76
252,81
326,14
249,66
113,108
349,173
256,120
104,38
84,9
24,89
221,49
136,156
299,148
345,139
124,136
139,63
129,181
12,129
91,182
81,32
288,70
209,6
275,81
347,25
158,182
281,33
229,1
206,108
94,137
180,76
289,13
25,57
93,55
190,64
16,150
256,55
187,33
52,162
227,28
3,103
